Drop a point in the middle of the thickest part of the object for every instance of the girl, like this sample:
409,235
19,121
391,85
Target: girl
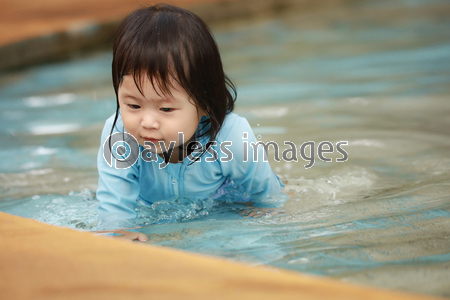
174,99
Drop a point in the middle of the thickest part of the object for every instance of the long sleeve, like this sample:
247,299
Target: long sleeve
118,189
255,175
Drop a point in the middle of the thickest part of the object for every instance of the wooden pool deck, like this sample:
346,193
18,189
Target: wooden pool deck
40,261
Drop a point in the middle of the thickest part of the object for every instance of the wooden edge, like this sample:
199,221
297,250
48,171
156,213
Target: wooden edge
41,261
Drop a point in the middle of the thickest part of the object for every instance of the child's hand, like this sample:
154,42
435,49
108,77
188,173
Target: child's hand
123,234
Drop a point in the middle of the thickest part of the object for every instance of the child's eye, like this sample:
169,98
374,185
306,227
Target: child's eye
165,109
134,106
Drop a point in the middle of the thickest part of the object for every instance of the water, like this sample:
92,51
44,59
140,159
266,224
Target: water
373,73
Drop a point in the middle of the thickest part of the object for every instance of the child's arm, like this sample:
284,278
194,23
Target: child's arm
255,175
118,189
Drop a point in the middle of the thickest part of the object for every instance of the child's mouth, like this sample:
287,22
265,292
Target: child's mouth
154,141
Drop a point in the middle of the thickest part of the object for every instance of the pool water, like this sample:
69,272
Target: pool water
373,73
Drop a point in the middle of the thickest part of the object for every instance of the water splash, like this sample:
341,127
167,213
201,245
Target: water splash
179,210
79,210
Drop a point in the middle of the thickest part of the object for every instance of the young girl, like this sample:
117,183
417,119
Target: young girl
174,99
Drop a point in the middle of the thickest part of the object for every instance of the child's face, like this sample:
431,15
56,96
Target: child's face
155,117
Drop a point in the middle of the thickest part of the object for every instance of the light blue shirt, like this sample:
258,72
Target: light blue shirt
119,189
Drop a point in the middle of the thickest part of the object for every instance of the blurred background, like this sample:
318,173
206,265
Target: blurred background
375,73
32,32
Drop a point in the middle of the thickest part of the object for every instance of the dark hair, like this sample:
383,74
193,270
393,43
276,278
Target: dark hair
164,42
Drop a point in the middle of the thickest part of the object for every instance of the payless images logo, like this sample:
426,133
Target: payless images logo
123,148
126,150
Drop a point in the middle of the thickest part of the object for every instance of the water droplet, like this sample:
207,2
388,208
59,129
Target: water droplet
259,136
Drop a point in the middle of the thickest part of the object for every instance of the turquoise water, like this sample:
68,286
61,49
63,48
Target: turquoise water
373,73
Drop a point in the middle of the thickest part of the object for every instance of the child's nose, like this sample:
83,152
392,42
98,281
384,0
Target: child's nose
149,121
